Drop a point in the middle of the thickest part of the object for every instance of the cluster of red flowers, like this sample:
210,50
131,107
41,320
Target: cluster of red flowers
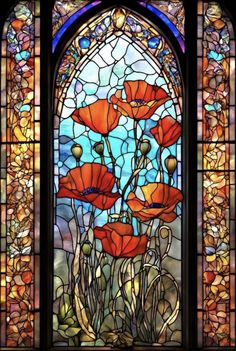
93,183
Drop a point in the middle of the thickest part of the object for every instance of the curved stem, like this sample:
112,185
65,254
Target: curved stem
110,152
133,176
76,222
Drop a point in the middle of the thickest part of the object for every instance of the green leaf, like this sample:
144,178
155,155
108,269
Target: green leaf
70,313
72,331
55,322
62,333
63,327
69,321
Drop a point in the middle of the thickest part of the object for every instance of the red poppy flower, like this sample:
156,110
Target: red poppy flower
90,183
167,131
160,202
100,116
118,240
142,99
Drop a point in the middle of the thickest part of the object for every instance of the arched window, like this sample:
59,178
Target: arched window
117,169
117,175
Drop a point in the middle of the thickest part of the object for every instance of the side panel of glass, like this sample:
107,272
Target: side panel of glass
19,142
216,177
117,174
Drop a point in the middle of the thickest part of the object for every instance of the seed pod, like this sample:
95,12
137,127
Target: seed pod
145,147
77,151
171,164
164,232
99,148
87,248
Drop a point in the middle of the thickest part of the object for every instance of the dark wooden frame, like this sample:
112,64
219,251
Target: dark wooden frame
188,67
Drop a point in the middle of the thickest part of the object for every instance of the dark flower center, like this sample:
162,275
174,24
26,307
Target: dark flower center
138,102
156,205
91,190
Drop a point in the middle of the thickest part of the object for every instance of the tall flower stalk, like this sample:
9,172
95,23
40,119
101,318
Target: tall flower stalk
112,261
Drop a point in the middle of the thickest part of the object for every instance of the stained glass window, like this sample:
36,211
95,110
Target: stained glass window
118,81
20,134
118,176
216,177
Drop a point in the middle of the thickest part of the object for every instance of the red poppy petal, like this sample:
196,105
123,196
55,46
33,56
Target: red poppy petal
168,217
142,112
130,244
135,204
86,176
125,108
139,247
63,192
131,88
174,197
108,246
99,116
107,182
121,228
149,94
76,179
170,129
161,94
103,201
113,117
100,233
151,213
88,117
116,241
76,117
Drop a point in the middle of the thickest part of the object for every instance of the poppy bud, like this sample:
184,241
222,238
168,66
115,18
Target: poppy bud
87,248
164,231
77,151
99,148
119,18
171,164
104,261
145,147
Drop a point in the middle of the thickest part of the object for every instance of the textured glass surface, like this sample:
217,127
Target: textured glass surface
65,13
216,167
172,14
19,142
64,9
117,176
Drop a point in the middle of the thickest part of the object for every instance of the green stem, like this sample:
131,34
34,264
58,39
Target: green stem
76,218
133,176
92,217
161,168
136,142
113,266
110,152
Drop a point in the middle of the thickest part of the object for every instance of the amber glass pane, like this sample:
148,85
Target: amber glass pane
216,181
19,142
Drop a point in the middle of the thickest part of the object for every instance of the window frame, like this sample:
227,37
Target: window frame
188,68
